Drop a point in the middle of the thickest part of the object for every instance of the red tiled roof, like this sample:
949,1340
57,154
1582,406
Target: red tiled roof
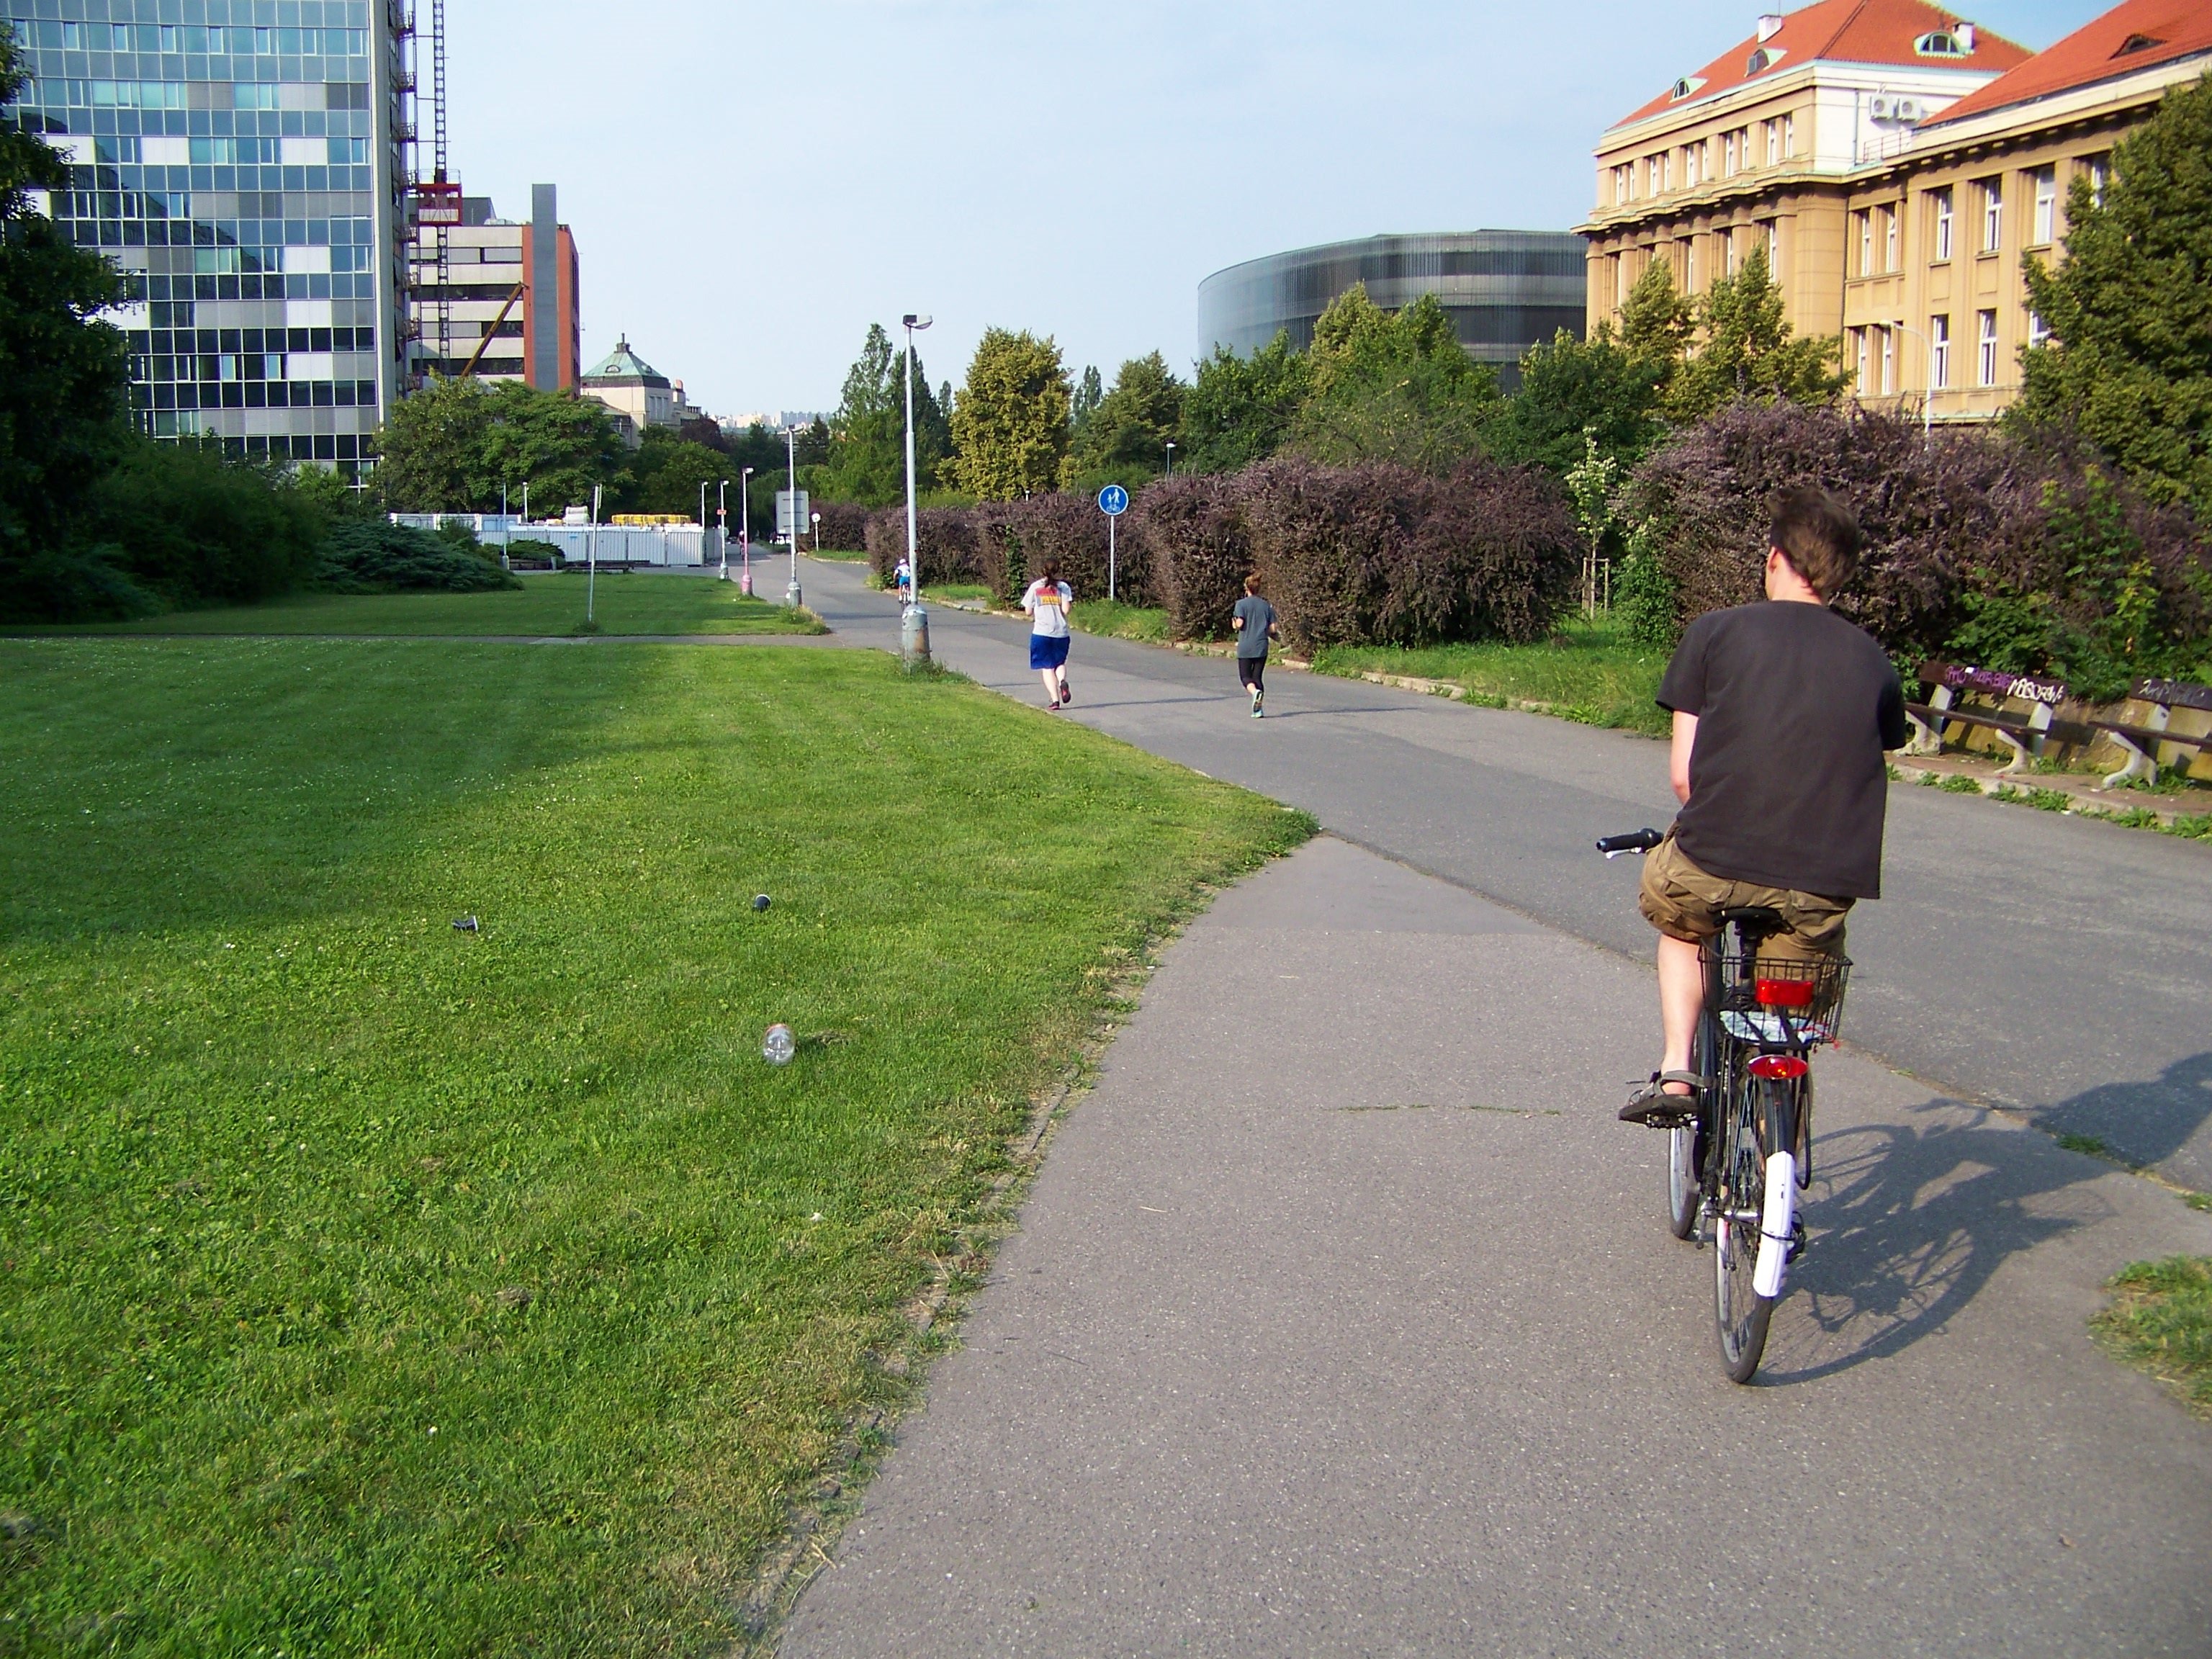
1852,31
2158,31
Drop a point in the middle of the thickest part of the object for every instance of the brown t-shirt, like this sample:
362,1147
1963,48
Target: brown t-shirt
1788,788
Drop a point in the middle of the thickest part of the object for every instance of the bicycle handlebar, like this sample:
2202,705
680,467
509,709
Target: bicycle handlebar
1635,841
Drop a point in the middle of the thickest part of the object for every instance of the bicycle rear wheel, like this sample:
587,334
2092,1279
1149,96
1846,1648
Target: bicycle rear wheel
1741,1313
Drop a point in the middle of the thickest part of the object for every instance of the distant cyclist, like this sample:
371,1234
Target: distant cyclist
1782,712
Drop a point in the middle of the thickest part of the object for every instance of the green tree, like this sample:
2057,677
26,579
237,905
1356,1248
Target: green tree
1241,409
1090,392
451,446
64,379
1657,321
1127,433
669,470
1392,388
1573,391
868,435
2130,310
1745,350
1009,421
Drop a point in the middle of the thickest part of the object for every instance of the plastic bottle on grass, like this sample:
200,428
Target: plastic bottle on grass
778,1046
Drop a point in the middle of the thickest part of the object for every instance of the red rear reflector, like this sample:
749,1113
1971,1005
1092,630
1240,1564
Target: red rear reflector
1786,992
1778,1065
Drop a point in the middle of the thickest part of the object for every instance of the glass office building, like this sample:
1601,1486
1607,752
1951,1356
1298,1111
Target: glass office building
236,159
1503,290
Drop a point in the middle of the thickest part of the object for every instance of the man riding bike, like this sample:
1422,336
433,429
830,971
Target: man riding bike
1781,713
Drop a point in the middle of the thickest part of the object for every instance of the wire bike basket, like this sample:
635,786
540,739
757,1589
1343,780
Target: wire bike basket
1778,1000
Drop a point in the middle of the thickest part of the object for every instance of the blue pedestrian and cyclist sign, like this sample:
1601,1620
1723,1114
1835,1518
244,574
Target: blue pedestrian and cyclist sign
1112,501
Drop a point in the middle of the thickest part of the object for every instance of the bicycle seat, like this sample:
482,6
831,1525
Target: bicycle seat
1755,919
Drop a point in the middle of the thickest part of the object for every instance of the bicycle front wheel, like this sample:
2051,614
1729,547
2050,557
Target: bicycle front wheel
1739,1310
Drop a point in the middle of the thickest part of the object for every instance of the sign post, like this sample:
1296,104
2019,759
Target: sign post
1112,501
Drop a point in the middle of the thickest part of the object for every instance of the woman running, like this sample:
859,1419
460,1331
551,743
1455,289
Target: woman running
1049,601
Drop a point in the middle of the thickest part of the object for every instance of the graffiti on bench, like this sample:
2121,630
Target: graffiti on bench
2174,694
1992,683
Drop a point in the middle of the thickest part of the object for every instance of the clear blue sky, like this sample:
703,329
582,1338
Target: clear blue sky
1073,170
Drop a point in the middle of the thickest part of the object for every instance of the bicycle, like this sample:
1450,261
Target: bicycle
1743,1148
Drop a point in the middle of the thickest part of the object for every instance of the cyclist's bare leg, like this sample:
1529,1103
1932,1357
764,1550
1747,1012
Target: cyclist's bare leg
1682,1000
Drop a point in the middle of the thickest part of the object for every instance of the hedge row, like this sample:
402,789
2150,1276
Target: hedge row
844,525
1376,555
2020,552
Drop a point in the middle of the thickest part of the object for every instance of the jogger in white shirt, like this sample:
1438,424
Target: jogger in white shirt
1048,602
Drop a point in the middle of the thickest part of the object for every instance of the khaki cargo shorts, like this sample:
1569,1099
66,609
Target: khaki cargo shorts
1684,902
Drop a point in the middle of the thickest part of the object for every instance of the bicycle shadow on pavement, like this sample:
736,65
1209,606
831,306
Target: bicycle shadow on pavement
1909,1222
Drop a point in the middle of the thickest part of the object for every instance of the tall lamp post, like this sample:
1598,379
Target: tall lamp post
1171,459
1927,397
722,524
913,622
702,523
745,532
791,478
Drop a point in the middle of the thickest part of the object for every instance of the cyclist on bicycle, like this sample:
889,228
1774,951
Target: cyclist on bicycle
1782,712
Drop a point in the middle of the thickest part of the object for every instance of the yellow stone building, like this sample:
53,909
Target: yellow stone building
1896,161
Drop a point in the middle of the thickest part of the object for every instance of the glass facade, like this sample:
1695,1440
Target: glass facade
235,159
1503,290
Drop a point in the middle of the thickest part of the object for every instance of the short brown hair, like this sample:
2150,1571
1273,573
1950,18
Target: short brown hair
1818,535
1252,583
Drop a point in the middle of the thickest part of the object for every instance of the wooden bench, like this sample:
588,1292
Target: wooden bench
2142,742
2024,734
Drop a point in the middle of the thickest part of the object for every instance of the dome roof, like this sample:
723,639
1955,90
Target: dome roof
623,367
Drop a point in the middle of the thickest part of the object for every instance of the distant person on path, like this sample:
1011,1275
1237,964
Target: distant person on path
902,578
1782,712
1254,619
1048,602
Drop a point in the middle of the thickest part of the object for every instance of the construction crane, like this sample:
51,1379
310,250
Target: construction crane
434,202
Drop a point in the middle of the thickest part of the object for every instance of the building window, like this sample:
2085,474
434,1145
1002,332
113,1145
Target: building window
1985,363
1859,360
1942,199
1770,237
1889,239
1774,143
1728,154
1670,169
1789,135
1865,216
2045,182
2039,331
1889,360
1690,266
1939,351
1651,176
1992,215
2098,167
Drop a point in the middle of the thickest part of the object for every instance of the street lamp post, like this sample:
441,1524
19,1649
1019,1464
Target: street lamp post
1928,398
1171,460
722,524
505,534
913,622
791,479
702,522
592,574
745,532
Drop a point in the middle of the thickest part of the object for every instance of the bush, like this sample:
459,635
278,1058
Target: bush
1382,555
527,553
1014,539
1198,549
2018,553
195,526
844,525
73,587
945,536
367,556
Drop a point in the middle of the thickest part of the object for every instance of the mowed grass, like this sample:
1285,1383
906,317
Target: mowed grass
369,1286
1589,670
636,602
2161,1320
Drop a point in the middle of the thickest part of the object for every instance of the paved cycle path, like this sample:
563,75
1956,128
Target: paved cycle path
2057,965
1343,1321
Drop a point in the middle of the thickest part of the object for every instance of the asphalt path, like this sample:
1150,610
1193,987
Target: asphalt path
2050,964
1343,1320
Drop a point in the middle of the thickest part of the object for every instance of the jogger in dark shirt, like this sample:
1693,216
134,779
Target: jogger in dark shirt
1781,713
1253,620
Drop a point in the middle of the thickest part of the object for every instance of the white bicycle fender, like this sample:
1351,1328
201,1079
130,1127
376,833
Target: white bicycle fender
1774,1226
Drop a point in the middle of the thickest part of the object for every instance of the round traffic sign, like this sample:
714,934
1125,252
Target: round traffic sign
1113,501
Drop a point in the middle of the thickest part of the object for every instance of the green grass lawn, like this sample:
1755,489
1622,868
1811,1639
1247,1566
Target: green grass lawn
2161,1320
629,603
371,1286
1122,621
1589,672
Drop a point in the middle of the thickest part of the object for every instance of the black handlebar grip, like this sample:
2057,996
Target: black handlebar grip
1636,841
